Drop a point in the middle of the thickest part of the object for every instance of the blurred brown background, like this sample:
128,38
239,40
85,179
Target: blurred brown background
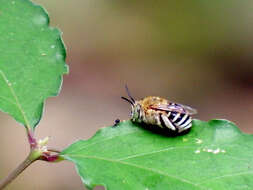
197,53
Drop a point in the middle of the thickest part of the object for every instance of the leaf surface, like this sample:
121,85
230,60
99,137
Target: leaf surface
32,60
214,155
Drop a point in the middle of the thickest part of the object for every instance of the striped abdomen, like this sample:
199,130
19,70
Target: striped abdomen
176,121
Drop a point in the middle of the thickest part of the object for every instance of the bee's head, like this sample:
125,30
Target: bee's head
135,112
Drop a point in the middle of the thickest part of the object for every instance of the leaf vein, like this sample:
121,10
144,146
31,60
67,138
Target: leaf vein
154,152
16,99
7,100
140,167
225,176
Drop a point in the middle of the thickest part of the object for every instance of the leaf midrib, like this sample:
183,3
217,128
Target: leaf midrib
17,103
136,166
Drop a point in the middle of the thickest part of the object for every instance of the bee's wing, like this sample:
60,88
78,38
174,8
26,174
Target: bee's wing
189,110
175,108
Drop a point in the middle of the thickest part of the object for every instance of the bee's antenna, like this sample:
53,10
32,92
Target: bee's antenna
129,95
124,98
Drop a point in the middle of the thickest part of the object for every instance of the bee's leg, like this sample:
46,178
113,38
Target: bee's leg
116,122
168,123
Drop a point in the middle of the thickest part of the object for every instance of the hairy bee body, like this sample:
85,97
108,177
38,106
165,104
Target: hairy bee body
148,112
161,113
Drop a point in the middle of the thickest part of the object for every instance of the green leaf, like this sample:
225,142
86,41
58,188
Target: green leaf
32,60
214,155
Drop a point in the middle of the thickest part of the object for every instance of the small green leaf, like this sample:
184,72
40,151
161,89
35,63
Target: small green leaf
32,60
214,155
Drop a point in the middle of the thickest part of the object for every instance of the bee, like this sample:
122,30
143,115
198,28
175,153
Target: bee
161,113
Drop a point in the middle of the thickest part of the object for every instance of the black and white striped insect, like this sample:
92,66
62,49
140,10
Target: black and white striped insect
161,113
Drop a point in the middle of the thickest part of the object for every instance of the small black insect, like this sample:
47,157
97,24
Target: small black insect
116,122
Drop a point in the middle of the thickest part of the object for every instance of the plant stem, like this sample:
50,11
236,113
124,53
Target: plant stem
38,151
32,141
33,156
